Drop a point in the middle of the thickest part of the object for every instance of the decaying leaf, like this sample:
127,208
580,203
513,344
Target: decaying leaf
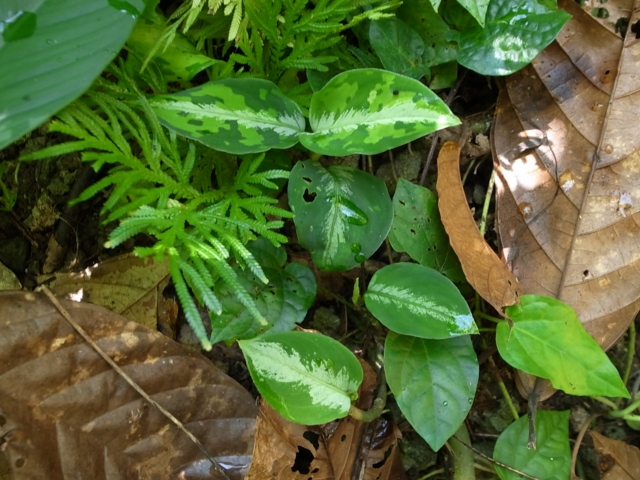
618,461
69,415
8,280
128,285
482,267
335,451
567,150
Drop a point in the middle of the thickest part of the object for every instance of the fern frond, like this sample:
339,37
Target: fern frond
200,286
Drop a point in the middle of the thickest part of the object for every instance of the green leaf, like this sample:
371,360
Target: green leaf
515,32
234,115
417,230
551,459
433,381
342,215
477,9
180,61
400,48
370,111
443,75
547,340
284,301
415,300
308,378
50,53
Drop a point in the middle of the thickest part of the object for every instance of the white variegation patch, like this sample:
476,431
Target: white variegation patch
334,224
405,299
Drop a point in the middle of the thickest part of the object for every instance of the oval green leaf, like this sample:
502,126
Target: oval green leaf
417,230
342,215
515,32
50,53
433,381
546,339
551,459
415,300
234,115
308,378
370,111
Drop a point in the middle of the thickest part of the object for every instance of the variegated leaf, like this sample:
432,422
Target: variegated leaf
342,215
370,111
234,115
418,301
308,378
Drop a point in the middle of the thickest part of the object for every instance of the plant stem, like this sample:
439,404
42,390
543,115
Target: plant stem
463,460
487,201
376,410
488,317
631,352
503,389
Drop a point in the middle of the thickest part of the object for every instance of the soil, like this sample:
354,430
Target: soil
45,187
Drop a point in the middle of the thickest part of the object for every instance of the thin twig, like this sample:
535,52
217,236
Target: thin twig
128,379
576,447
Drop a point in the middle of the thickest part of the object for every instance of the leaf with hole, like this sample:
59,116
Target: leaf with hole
545,338
417,230
369,111
234,115
415,300
433,381
342,215
551,459
51,51
308,378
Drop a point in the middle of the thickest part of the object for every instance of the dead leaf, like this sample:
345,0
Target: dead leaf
340,450
128,285
67,414
8,279
618,460
567,150
482,267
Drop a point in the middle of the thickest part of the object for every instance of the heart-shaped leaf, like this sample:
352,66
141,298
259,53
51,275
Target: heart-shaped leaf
547,340
551,459
433,381
308,378
417,230
234,115
342,215
50,53
370,111
415,300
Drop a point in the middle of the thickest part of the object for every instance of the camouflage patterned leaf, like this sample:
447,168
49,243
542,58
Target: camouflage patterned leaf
237,115
370,111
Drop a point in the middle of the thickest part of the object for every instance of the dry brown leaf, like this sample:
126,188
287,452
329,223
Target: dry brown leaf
340,450
69,415
567,150
128,285
8,279
618,460
482,267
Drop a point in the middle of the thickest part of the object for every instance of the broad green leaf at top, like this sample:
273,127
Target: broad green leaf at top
546,339
369,111
550,460
308,378
418,301
234,115
50,53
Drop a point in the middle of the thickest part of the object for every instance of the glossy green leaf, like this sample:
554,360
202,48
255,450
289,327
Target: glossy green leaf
284,301
342,215
50,53
417,230
515,32
370,111
400,48
439,38
415,300
477,9
550,460
234,115
546,339
179,61
433,381
308,378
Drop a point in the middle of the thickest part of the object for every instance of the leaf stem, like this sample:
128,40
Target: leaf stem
488,317
487,201
376,410
462,457
631,352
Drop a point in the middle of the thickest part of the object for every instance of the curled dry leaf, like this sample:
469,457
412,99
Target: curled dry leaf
339,450
69,415
618,461
567,150
483,269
